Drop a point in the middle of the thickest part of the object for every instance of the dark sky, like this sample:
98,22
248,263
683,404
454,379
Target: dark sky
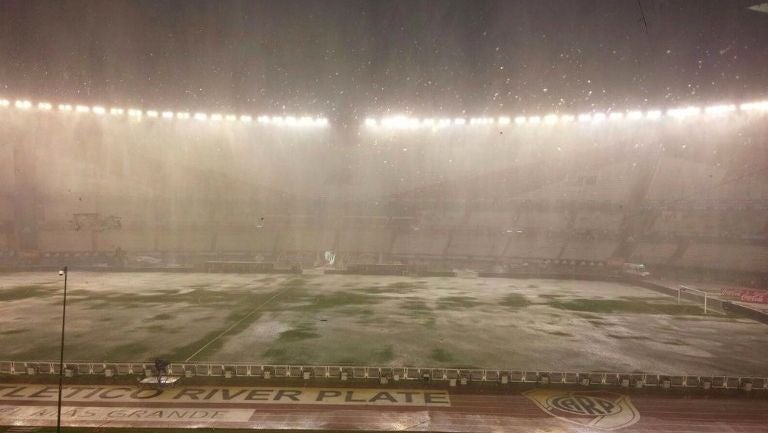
357,58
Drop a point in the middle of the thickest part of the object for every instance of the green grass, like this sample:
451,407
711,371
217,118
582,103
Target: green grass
646,338
430,322
38,352
440,355
599,323
559,333
383,355
125,351
240,304
243,313
197,296
401,288
276,354
457,302
403,285
19,293
589,316
629,337
337,299
609,306
415,305
712,316
303,332
645,298
161,328
550,296
515,300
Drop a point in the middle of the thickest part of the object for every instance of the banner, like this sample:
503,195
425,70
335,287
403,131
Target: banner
330,258
746,295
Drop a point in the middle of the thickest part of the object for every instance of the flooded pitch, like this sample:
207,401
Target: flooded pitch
367,320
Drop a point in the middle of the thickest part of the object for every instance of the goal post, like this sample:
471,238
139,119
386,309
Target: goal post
696,292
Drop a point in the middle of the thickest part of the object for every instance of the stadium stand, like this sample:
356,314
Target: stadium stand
475,244
750,258
302,239
491,219
663,196
541,220
138,239
536,247
598,220
253,240
712,222
588,249
653,253
65,241
428,243
372,241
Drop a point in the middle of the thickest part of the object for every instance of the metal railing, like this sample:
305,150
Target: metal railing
453,376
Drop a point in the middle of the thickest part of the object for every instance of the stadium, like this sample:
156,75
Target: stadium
463,264
167,195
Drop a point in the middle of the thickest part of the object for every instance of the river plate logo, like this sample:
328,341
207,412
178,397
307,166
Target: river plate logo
597,409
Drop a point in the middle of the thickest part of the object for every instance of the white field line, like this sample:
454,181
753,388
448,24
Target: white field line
237,323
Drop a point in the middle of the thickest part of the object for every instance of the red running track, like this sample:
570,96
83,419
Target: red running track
578,411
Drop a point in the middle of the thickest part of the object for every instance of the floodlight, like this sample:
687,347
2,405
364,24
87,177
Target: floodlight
719,109
753,106
653,114
682,113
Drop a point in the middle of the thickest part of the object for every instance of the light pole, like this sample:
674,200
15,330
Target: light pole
61,357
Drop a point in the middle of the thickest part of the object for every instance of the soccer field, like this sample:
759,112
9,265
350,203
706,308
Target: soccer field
378,321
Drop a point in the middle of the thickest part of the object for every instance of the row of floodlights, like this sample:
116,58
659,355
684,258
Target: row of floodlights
405,122
402,122
169,115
